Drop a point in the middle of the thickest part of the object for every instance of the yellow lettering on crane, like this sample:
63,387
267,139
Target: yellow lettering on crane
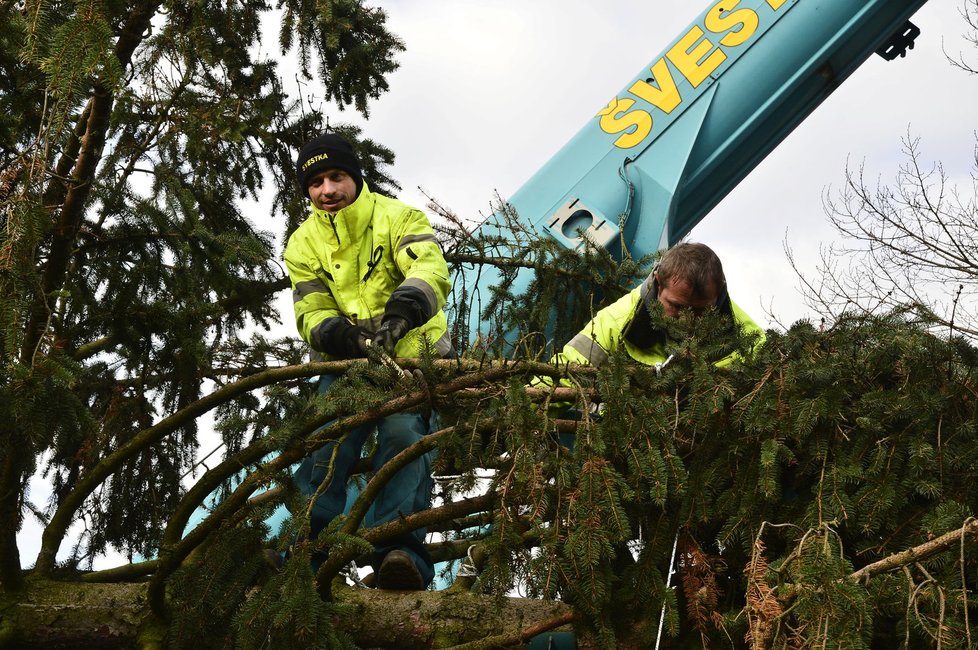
665,94
721,19
695,56
617,118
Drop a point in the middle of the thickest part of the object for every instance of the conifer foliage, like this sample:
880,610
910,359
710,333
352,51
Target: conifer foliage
134,139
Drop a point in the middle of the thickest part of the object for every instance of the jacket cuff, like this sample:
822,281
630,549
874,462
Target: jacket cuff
409,303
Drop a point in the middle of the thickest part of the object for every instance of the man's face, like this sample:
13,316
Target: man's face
678,296
332,190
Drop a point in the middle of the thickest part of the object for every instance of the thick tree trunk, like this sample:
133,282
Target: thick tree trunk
62,615
437,619
11,579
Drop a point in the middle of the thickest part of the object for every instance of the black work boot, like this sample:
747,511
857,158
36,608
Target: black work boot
398,573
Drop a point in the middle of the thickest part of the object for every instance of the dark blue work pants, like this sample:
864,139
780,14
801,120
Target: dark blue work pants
408,491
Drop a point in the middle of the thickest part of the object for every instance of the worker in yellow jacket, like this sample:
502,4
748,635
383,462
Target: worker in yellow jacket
367,269
688,278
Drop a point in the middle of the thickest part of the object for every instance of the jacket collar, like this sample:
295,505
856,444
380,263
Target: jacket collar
350,223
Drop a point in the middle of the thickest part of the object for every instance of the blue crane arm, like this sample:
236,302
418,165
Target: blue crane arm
653,161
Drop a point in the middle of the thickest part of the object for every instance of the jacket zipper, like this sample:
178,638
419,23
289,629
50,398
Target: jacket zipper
336,233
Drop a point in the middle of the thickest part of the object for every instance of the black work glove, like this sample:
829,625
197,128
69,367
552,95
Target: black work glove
345,341
391,331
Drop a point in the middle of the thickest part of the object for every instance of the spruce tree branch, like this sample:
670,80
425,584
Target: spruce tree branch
173,549
517,638
69,219
150,134
268,497
92,348
211,480
383,476
902,560
451,549
917,553
73,615
138,570
253,290
246,294
125,573
54,194
535,394
454,525
72,210
55,531
131,34
423,519
427,518
252,454
336,561
964,590
511,262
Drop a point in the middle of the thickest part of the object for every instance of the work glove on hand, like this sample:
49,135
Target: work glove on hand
391,331
360,341
346,341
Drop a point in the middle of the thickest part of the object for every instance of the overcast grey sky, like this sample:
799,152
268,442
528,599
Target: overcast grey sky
488,91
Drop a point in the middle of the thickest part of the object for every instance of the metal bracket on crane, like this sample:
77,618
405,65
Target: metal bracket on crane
900,42
574,221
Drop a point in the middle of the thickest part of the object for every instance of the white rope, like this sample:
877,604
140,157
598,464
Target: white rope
660,366
467,568
351,572
672,570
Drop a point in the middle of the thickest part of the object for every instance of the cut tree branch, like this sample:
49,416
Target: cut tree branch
917,553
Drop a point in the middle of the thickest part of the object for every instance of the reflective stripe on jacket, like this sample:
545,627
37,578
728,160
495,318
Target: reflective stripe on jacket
347,265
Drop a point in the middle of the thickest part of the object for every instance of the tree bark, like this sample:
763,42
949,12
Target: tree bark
11,578
61,615
921,552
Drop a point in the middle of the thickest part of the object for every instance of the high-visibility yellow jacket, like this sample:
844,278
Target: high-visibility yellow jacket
374,256
612,328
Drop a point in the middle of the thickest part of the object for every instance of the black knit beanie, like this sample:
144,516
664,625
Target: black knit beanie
328,151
